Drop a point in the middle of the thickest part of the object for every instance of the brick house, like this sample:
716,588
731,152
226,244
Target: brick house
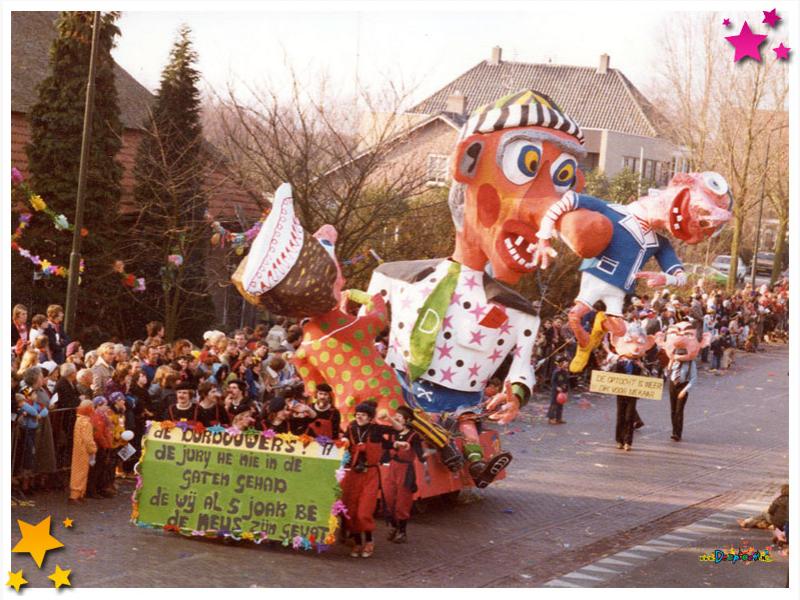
32,33
621,127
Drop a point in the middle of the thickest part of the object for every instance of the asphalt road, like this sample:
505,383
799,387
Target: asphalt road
571,499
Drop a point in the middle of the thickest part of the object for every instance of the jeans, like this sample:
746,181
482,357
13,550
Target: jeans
676,406
716,360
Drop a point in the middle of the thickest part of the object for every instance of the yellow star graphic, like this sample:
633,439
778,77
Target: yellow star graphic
16,580
67,522
36,540
60,577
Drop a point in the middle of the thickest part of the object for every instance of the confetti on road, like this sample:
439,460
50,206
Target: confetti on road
508,511
600,465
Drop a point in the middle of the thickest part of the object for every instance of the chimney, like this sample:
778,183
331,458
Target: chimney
497,56
602,68
456,103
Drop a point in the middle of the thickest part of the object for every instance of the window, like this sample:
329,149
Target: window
437,169
631,163
590,162
649,170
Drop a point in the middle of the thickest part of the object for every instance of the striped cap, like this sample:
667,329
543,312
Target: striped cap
524,108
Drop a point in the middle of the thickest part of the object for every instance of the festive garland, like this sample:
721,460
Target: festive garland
239,241
47,267
38,204
129,280
257,537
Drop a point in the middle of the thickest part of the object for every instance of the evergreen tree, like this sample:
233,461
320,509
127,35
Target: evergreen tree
171,168
56,122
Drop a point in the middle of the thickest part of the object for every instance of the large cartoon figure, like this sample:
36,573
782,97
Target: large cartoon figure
453,322
694,207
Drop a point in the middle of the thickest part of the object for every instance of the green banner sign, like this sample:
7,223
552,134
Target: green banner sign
245,486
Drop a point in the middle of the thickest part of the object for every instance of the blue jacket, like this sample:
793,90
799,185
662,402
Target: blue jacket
629,249
30,412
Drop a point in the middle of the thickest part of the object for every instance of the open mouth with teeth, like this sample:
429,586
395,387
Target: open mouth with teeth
516,245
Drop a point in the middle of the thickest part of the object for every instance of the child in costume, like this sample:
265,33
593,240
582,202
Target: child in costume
83,450
361,481
400,483
559,385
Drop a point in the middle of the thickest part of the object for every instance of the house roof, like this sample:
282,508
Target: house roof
32,34
595,101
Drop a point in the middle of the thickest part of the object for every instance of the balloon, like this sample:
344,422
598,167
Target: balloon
127,435
561,398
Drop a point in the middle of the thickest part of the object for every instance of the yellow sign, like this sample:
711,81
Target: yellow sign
620,384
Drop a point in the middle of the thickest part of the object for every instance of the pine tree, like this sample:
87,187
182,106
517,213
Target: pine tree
170,172
56,122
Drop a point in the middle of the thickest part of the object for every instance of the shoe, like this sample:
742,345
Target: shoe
392,535
356,551
553,421
368,549
491,469
73,501
638,425
108,494
476,468
627,447
400,538
561,422
676,438
619,445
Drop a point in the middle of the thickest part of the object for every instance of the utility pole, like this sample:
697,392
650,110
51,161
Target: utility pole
754,262
75,255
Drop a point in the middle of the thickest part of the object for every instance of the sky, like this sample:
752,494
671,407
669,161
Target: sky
423,48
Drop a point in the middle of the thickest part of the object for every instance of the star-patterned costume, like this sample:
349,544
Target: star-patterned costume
484,322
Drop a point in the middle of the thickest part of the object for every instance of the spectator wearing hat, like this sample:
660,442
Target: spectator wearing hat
328,420
559,384
361,480
286,414
183,409
235,401
400,483
75,354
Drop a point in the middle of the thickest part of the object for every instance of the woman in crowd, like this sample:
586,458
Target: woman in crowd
19,328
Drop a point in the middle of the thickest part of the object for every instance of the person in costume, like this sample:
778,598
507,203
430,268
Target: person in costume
682,347
183,409
559,391
208,409
83,450
453,321
361,482
629,349
327,422
693,208
399,484
286,414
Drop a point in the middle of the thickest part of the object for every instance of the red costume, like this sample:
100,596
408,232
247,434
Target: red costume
400,482
362,481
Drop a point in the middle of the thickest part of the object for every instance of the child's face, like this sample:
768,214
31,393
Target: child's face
362,418
491,390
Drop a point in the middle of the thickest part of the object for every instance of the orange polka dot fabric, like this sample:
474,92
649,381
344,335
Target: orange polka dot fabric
339,349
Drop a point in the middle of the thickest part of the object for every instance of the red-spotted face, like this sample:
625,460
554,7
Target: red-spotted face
700,205
506,180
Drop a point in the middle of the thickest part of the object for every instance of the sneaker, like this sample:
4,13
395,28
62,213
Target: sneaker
638,425
561,422
400,538
627,447
675,438
553,421
356,551
619,445
368,549
392,535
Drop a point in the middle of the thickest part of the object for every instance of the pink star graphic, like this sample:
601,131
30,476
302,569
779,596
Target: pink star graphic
505,328
495,355
478,311
474,370
771,18
447,375
726,22
444,351
447,322
405,302
782,52
477,337
470,282
746,44
517,351
456,299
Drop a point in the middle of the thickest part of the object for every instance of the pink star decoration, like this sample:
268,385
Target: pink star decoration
771,17
477,337
474,370
456,299
746,44
447,322
505,328
470,282
495,355
478,311
782,52
447,375
444,351
726,22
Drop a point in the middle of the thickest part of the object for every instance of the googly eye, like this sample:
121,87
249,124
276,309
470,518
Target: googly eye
715,182
521,161
564,172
